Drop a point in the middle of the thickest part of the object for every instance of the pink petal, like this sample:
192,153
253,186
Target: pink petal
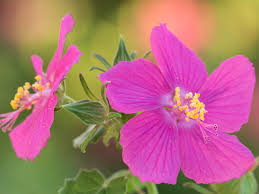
135,86
65,64
66,26
150,147
29,137
37,65
180,66
221,159
228,94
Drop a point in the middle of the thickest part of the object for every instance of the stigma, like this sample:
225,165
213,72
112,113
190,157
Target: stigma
190,105
24,98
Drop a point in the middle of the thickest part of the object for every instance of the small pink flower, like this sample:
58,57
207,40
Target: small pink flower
186,114
29,137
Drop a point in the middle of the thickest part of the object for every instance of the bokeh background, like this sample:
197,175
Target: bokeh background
216,30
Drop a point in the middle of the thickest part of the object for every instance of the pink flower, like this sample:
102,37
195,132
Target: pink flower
29,137
186,114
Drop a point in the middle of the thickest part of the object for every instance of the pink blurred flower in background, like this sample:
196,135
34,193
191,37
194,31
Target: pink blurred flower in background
30,136
191,20
186,114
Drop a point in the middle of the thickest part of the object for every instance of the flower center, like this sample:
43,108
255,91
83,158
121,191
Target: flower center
24,99
190,105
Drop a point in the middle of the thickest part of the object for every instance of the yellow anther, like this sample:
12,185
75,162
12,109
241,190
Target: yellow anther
180,108
41,88
34,102
27,86
192,106
20,90
38,78
197,95
13,104
18,96
48,84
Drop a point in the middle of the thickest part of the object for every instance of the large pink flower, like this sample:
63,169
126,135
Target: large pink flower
29,137
186,114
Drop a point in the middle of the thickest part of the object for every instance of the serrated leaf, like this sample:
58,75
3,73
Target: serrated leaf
103,61
122,53
117,186
87,90
86,182
133,55
90,112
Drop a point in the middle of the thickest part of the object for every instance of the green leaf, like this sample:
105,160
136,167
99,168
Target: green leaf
147,54
103,61
86,182
87,90
116,184
97,68
245,185
133,55
197,188
249,184
122,53
90,112
134,185
151,188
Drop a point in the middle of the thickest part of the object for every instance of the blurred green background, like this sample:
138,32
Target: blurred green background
216,30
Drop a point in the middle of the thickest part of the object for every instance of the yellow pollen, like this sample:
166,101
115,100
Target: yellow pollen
38,78
20,90
191,105
48,84
23,93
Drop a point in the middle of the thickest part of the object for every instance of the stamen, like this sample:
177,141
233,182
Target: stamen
23,94
191,105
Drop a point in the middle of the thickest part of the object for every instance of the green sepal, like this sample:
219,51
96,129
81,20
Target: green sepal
122,53
91,135
97,68
133,55
112,131
147,54
87,90
89,112
103,61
